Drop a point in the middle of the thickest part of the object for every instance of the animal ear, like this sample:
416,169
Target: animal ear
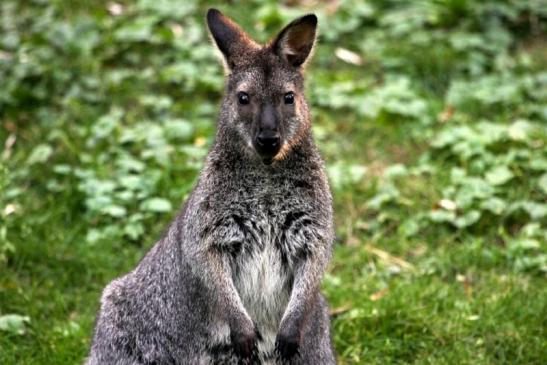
295,42
230,39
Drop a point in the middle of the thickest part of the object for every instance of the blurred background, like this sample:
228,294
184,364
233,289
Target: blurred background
431,116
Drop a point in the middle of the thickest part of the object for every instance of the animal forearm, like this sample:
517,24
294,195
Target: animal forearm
305,287
219,282
243,332
303,297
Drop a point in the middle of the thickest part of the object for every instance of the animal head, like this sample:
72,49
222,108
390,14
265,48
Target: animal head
264,101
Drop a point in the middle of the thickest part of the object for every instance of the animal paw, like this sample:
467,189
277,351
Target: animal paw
244,342
287,346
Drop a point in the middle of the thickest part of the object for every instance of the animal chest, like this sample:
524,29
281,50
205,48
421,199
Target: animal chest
272,236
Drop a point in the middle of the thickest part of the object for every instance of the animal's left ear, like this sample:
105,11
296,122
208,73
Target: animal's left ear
295,42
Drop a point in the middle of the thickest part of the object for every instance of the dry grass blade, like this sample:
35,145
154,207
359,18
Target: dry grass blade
388,258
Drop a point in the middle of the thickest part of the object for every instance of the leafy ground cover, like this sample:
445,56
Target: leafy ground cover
431,116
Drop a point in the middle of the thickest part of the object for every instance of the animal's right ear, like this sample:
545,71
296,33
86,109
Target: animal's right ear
230,39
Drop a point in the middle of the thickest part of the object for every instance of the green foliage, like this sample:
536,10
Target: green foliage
431,116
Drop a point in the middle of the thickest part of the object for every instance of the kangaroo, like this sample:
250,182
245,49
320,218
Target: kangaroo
235,278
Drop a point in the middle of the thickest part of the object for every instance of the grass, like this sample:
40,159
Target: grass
457,308
102,125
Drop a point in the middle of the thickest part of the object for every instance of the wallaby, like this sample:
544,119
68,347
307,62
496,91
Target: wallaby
236,277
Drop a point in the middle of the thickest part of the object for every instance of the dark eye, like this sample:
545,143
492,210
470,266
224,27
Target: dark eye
243,98
289,98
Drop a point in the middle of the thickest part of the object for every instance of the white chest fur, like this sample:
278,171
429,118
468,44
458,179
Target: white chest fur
263,285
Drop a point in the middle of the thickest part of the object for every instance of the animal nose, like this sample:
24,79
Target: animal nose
268,139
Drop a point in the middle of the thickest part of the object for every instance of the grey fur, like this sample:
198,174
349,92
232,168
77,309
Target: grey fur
235,278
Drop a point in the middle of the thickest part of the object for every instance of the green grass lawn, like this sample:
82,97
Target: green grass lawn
434,131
